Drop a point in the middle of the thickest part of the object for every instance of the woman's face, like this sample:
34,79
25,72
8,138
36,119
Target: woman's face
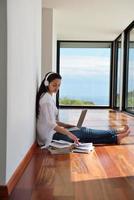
54,86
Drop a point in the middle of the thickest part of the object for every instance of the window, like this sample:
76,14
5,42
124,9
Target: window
85,71
130,71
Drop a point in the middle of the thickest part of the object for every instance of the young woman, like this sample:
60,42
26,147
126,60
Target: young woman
48,126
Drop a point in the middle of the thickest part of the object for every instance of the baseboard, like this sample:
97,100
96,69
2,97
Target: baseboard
5,190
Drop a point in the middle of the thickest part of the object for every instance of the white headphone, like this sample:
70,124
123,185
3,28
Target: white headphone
46,82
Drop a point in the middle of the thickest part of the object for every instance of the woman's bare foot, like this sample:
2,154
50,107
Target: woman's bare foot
122,135
122,129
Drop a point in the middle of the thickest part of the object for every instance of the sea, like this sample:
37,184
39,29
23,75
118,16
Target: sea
96,91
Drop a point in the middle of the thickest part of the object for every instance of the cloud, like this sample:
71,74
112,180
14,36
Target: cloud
84,65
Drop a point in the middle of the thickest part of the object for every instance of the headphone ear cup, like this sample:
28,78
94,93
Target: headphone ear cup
46,83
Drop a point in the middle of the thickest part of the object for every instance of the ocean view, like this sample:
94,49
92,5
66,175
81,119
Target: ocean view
85,89
86,76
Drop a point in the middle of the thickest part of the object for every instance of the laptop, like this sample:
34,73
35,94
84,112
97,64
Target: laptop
80,121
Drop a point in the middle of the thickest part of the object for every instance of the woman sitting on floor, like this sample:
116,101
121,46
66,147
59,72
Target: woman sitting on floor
48,128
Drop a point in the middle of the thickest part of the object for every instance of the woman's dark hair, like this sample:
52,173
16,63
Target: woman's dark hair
43,89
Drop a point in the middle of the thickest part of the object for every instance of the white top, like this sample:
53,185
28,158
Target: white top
46,121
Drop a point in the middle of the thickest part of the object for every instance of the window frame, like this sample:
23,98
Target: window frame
110,77
115,73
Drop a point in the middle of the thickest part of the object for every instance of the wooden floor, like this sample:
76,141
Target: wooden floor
107,173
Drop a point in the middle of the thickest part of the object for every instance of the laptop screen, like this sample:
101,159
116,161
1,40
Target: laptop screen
81,118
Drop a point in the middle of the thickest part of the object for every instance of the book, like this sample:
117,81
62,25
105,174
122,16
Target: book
64,147
83,148
60,147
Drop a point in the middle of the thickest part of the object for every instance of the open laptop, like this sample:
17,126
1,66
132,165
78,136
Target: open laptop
80,121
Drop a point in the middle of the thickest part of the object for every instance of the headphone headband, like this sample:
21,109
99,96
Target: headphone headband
46,82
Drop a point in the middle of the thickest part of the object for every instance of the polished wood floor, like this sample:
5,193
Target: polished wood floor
107,173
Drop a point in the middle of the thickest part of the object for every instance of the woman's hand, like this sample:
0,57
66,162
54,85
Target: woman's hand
73,137
64,131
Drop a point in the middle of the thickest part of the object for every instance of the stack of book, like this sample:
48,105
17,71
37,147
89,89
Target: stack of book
64,147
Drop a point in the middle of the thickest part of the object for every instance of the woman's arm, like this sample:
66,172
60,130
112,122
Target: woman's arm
65,125
64,131
51,123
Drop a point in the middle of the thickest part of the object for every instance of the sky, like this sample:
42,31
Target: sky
86,70
86,61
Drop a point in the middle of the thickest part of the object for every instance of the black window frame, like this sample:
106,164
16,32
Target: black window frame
115,72
110,78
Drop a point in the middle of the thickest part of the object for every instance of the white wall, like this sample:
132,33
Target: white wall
23,74
54,47
3,88
47,29
49,38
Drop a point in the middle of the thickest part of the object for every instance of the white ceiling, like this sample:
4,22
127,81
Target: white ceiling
91,19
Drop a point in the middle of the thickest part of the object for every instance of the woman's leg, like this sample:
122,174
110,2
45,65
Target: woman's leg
98,136
101,136
91,135
95,136
59,136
